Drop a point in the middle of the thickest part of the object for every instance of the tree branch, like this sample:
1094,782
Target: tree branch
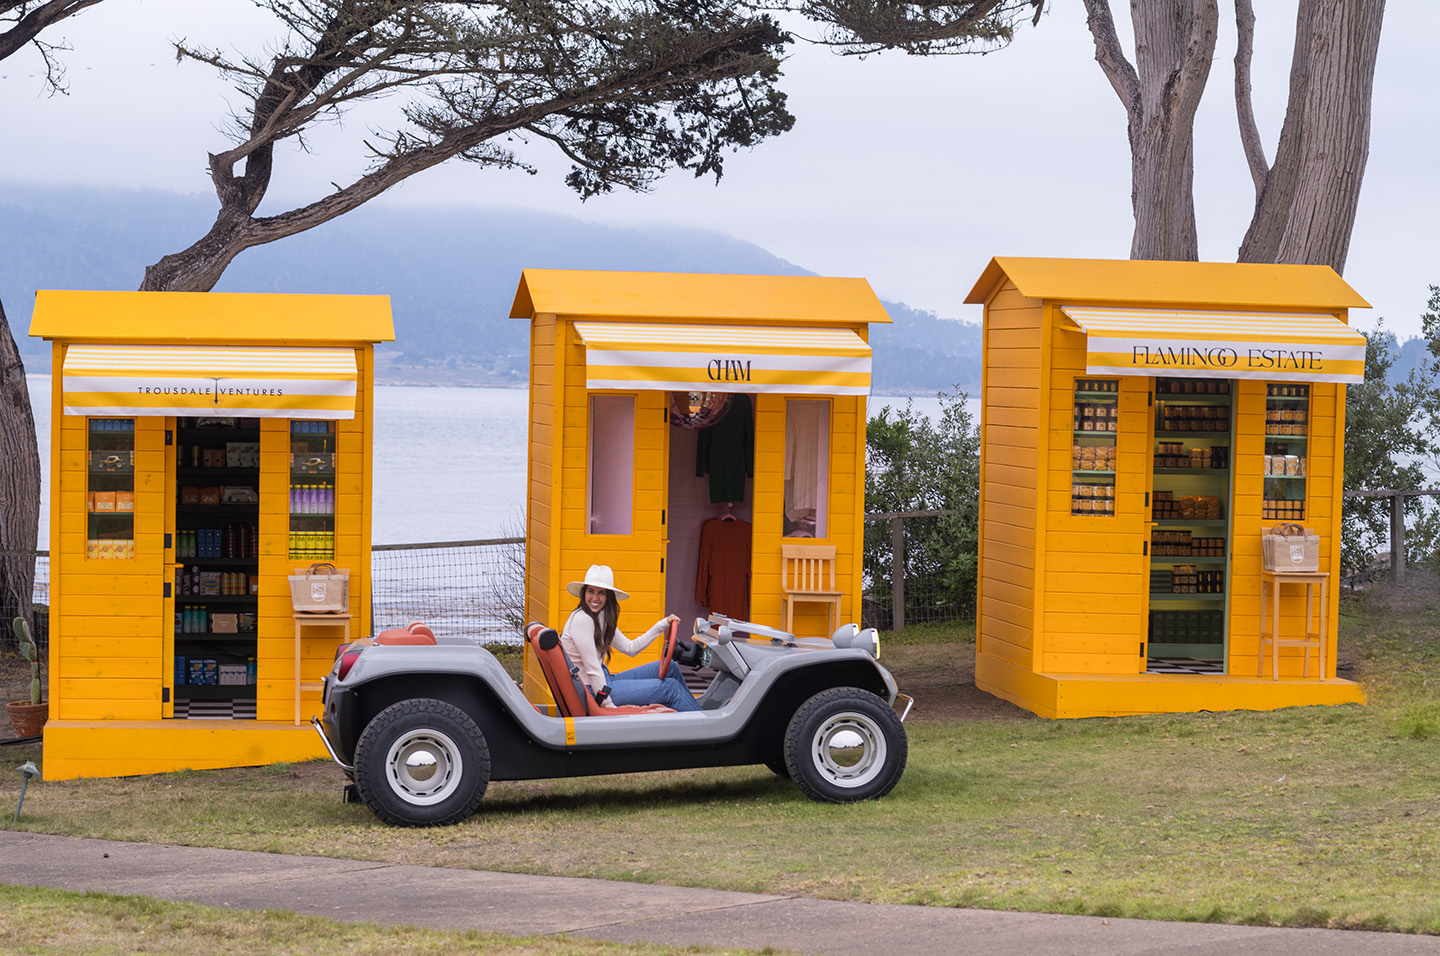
1244,97
28,25
1110,55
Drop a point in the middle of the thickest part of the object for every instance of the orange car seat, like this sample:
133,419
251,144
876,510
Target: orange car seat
572,697
414,633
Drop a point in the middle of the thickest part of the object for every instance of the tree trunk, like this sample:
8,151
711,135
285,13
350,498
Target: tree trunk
199,267
1174,43
19,490
1305,211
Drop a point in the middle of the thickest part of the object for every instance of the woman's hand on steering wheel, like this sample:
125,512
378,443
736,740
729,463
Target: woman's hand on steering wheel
672,637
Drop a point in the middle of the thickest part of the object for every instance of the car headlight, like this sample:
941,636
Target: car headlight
850,635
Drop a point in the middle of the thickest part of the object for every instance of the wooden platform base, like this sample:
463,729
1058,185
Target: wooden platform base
123,748
1082,695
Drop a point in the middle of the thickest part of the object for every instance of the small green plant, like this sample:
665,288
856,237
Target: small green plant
31,653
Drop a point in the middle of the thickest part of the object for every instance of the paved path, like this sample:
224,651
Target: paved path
626,912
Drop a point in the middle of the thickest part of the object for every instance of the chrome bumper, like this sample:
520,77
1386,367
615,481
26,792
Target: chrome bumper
315,722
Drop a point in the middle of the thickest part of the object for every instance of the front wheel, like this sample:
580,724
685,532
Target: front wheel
422,762
845,745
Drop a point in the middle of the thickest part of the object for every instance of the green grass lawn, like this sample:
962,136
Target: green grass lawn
1301,817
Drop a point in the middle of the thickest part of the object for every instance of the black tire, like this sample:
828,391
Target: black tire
422,763
845,744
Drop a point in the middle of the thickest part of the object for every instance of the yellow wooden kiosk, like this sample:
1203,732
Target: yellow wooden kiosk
692,431
1143,424
203,447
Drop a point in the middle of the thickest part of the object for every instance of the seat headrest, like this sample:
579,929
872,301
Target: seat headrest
548,639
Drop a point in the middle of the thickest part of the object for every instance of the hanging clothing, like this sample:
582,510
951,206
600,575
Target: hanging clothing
802,454
726,452
722,581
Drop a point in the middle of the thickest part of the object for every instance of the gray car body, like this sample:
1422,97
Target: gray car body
772,676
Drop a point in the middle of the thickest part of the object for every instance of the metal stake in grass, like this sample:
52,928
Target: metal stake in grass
28,770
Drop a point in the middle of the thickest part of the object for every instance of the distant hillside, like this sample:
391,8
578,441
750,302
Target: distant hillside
450,274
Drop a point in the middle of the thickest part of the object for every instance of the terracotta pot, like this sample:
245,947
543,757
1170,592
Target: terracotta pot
28,719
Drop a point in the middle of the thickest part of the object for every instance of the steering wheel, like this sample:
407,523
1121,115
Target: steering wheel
672,637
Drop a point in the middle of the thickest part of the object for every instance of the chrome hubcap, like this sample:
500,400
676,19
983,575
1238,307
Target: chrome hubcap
849,749
424,766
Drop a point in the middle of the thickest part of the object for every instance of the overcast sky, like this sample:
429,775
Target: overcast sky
910,172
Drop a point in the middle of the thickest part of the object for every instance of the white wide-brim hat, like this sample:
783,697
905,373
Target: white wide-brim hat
599,576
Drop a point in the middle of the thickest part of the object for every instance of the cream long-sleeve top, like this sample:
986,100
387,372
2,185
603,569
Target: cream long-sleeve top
578,641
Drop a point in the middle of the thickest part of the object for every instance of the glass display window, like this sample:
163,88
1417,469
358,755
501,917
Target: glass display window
1287,437
807,468
217,582
110,495
312,490
612,464
1093,457
1190,519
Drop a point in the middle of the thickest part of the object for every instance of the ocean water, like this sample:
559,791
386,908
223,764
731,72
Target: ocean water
449,463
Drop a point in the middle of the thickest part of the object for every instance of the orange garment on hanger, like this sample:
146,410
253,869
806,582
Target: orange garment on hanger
722,581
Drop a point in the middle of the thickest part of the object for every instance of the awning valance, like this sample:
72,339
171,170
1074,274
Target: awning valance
248,382
724,358
1294,347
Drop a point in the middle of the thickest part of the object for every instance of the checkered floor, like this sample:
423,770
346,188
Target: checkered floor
1183,665
214,709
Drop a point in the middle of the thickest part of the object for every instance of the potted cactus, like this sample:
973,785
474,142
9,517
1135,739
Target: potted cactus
28,717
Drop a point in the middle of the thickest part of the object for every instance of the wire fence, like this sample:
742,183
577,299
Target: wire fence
910,577
473,587
478,587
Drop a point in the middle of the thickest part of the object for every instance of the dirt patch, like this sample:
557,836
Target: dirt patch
941,678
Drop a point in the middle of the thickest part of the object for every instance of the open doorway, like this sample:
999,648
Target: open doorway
710,511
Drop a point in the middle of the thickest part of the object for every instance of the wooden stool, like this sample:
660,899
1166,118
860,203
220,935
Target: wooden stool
310,619
1270,584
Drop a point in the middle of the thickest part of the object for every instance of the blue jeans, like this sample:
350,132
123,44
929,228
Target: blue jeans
642,685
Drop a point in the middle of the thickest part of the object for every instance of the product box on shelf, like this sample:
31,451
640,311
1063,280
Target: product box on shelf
112,461
204,671
242,454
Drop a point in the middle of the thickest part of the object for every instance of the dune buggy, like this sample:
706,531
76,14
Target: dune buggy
422,725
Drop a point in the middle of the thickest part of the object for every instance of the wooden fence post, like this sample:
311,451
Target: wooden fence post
897,572
1397,538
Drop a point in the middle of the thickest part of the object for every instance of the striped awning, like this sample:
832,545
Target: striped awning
169,380
724,358
1293,346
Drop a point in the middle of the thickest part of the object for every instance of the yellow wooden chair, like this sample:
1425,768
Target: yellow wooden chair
808,576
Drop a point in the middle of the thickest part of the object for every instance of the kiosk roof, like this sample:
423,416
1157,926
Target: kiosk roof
1211,284
211,317
688,296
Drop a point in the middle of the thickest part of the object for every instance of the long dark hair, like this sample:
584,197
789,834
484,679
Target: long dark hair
604,621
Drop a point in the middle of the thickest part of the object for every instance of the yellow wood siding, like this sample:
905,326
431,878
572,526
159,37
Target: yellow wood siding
1009,477
116,607
1095,566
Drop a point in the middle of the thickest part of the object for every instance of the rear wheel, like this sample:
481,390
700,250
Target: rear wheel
422,762
845,745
